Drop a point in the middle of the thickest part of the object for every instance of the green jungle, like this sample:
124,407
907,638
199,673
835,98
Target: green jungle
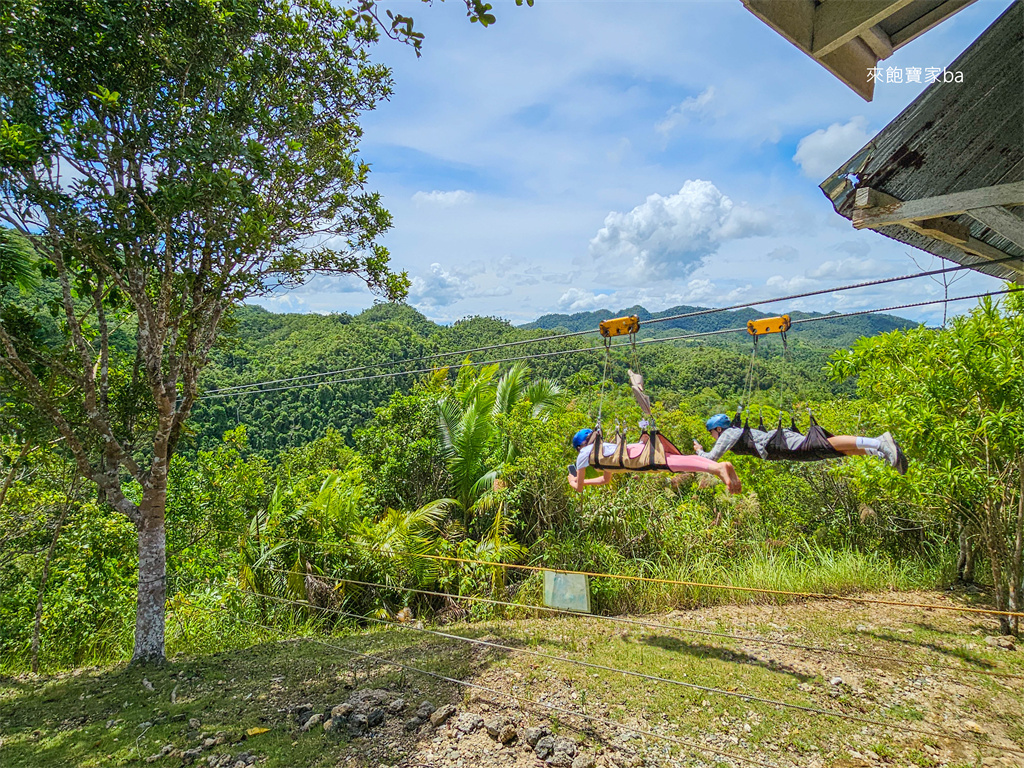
154,502
280,502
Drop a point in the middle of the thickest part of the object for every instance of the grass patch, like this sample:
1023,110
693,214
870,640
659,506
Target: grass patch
108,717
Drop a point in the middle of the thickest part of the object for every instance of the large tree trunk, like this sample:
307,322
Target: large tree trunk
149,611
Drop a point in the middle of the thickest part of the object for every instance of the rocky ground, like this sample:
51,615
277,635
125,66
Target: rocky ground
948,690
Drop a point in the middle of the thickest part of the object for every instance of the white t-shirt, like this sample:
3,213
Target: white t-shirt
583,460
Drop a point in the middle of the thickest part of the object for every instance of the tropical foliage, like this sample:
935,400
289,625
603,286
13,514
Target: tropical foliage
161,162
956,397
405,510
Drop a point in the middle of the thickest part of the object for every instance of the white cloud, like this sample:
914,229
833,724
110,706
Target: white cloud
443,199
679,115
845,269
783,253
575,300
668,236
439,288
822,152
797,284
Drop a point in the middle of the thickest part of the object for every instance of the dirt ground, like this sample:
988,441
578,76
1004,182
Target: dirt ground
821,684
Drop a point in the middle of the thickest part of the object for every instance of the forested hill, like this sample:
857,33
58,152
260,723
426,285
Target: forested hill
841,332
261,346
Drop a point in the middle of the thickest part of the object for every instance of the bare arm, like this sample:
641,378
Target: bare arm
578,481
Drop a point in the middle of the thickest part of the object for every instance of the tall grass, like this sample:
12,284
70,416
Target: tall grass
807,569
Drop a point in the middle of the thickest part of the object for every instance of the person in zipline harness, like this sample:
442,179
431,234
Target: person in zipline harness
726,436
676,463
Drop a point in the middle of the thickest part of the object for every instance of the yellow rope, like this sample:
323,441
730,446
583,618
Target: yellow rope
660,625
759,590
681,583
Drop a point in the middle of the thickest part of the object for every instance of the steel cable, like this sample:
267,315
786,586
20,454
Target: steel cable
699,584
642,675
574,334
556,353
671,627
691,745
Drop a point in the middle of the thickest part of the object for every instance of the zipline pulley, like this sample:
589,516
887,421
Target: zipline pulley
765,325
619,326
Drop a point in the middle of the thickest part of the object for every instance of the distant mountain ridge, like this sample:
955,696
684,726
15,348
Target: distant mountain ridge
842,331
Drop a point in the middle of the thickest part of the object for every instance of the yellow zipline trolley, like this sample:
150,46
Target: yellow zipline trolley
765,325
619,326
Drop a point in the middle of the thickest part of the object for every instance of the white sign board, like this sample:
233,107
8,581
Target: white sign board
567,591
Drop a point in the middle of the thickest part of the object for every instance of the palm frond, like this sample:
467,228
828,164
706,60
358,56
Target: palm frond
544,395
484,485
449,420
511,387
19,262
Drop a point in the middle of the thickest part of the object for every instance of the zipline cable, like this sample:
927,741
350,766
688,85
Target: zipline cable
423,358
640,675
556,353
573,334
671,627
384,661
820,292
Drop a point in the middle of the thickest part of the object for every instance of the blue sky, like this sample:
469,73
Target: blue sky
584,155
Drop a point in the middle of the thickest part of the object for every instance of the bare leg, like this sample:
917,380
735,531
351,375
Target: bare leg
721,469
846,445
727,472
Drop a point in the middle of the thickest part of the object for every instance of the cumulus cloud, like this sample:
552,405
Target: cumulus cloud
797,284
438,288
576,300
441,199
679,115
822,152
667,237
846,269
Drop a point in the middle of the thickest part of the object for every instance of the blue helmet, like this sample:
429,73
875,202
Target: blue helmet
580,438
718,421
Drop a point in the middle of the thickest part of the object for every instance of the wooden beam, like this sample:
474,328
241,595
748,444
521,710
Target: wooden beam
919,26
866,198
793,19
972,246
878,41
1002,222
851,64
986,251
947,230
837,22
876,209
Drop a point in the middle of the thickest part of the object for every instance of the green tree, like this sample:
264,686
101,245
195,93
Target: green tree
169,159
956,397
474,447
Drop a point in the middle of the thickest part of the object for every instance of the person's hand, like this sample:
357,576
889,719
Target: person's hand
698,447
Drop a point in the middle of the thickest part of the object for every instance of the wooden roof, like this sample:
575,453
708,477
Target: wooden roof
849,37
947,175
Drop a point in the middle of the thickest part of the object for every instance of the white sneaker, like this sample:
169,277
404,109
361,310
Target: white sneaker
889,450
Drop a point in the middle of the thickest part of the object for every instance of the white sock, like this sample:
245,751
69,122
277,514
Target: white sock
870,445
